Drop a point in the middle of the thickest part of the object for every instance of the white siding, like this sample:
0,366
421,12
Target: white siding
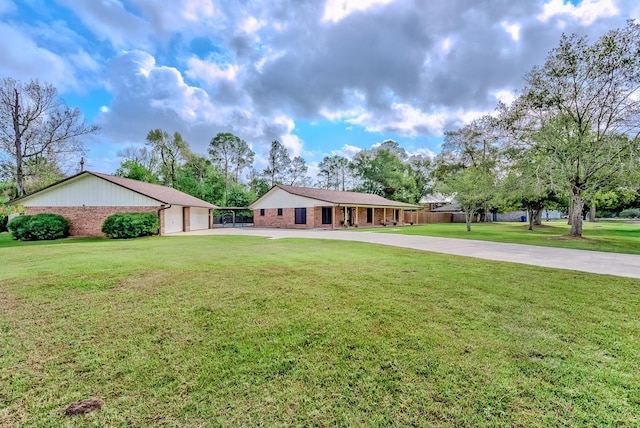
173,219
199,218
91,191
278,198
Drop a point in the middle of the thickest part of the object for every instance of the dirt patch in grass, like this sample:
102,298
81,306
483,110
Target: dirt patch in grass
569,238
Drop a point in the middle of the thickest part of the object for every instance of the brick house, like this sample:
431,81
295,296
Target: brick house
88,198
307,208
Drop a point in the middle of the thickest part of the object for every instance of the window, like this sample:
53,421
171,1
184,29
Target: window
301,215
280,211
327,215
369,215
261,212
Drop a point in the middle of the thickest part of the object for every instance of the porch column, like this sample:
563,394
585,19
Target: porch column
333,217
357,215
384,215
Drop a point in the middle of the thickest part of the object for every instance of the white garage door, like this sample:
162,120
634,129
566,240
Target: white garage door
199,218
173,219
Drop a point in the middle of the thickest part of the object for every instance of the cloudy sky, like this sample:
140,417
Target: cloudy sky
321,76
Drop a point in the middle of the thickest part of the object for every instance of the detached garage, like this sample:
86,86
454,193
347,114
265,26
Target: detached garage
88,198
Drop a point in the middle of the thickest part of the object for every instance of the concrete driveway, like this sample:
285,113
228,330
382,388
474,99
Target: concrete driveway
626,265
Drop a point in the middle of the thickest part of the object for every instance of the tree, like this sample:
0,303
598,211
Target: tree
298,172
258,184
419,169
170,150
382,173
334,172
232,155
199,178
473,147
134,170
473,189
581,112
278,163
141,156
35,122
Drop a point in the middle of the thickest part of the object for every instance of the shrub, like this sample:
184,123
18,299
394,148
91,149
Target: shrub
630,213
39,227
4,219
130,225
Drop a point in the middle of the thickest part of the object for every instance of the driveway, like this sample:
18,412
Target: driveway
626,265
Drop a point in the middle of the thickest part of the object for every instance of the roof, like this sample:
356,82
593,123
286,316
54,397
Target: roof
448,208
343,198
166,195
436,198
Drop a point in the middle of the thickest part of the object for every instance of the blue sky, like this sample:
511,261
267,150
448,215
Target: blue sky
323,77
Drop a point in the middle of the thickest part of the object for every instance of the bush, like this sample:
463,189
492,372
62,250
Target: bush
4,219
130,225
630,213
39,227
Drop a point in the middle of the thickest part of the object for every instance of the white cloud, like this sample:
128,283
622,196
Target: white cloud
404,119
289,140
251,25
23,57
211,72
504,96
423,152
512,29
586,12
348,151
336,10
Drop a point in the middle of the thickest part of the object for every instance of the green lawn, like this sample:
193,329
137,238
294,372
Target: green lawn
236,331
607,235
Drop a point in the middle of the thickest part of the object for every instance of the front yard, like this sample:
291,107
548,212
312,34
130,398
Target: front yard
213,330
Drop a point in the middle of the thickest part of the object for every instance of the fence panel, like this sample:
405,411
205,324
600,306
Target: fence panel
426,217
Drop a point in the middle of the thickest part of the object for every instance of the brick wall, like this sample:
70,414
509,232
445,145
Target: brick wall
285,221
314,218
87,221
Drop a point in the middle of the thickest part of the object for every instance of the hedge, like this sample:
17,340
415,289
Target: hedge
630,213
39,227
130,225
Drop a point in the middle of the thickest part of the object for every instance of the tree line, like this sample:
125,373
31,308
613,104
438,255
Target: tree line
387,170
570,140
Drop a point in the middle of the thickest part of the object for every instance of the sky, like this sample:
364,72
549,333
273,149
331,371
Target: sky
323,77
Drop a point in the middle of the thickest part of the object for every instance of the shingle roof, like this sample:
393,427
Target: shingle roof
166,195
160,193
338,197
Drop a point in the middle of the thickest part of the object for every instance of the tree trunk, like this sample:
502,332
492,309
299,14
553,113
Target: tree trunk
530,215
570,214
18,144
467,217
537,218
592,213
576,212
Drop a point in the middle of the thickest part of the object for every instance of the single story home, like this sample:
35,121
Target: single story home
88,198
307,208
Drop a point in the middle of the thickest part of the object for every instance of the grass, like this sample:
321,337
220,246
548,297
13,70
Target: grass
237,331
609,236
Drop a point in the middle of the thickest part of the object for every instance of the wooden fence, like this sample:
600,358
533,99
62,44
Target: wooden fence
426,217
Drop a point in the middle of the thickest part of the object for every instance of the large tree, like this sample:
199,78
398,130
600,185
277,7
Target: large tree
36,123
334,171
474,147
278,163
298,172
170,150
581,112
232,155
